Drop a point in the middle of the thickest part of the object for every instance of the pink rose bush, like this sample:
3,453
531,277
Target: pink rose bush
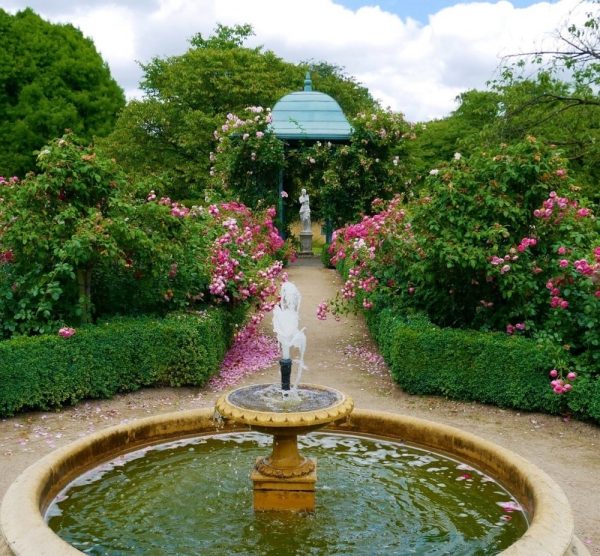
490,244
244,265
93,246
247,158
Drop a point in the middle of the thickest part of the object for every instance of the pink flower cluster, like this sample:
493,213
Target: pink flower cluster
322,309
359,242
584,267
242,257
559,384
177,210
368,233
558,207
525,243
8,181
556,301
512,328
66,332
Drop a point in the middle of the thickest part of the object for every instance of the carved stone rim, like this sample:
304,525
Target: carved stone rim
270,419
264,467
551,531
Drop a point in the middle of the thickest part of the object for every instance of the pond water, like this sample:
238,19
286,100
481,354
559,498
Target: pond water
374,496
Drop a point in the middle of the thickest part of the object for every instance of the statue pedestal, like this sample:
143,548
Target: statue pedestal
306,243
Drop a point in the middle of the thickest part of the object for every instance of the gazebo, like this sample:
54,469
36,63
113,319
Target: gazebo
307,116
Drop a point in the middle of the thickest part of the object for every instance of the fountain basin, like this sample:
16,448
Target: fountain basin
285,480
24,528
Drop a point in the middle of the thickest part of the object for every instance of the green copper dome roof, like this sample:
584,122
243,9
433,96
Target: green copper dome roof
309,114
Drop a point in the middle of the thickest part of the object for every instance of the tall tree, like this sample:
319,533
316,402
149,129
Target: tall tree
51,78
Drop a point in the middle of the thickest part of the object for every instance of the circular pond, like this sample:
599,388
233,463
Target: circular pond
550,530
194,497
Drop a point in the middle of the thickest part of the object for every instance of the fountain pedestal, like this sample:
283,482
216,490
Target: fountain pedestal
296,493
285,480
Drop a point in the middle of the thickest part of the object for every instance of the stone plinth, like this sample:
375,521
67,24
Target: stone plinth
293,494
306,243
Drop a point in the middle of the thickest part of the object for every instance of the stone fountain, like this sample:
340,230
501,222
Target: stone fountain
286,479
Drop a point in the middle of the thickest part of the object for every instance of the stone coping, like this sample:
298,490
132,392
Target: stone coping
290,419
26,533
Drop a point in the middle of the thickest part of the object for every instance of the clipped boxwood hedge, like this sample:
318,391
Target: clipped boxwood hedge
120,355
478,366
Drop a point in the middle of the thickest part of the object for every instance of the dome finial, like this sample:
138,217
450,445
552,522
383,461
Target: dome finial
307,82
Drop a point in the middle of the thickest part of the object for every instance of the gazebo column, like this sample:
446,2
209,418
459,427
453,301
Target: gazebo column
280,205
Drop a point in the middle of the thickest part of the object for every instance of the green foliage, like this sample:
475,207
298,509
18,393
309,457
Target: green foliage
170,132
326,257
122,355
58,226
476,366
248,159
557,112
345,179
51,78
438,140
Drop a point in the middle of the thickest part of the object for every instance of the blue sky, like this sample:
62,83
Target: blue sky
421,9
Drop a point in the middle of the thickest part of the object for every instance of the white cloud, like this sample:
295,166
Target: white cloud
415,68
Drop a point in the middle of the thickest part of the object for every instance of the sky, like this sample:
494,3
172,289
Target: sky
414,56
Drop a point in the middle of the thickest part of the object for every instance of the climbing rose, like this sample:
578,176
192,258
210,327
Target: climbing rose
66,332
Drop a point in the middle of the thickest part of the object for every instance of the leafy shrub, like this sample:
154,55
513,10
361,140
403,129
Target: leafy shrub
490,245
478,366
76,245
120,355
326,257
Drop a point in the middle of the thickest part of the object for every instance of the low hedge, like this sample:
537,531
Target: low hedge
120,355
477,366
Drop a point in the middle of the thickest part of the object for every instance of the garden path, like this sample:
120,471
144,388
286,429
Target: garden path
341,355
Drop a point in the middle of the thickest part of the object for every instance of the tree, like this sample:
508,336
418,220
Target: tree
558,103
56,227
438,140
170,132
561,103
51,78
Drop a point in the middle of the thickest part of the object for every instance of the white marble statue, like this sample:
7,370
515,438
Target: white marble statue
305,211
285,325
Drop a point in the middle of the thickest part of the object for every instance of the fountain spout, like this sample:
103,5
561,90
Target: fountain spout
286,326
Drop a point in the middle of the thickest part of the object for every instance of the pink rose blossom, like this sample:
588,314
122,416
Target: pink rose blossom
322,310
66,332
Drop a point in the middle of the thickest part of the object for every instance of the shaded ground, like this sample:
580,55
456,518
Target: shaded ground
340,354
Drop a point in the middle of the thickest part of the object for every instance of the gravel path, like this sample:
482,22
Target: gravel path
341,355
